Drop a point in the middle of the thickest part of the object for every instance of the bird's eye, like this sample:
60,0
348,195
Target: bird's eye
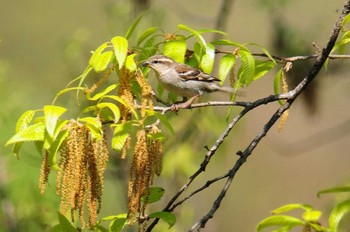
155,61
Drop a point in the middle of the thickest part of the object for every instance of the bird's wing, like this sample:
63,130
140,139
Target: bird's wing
189,73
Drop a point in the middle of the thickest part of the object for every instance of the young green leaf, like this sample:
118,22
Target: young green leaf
99,95
94,125
63,91
113,108
279,220
230,43
103,61
54,148
262,67
52,113
289,207
24,121
155,194
120,45
34,132
65,224
118,222
120,134
196,34
175,49
130,63
247,70
312,215
165,216
97,53
207,61
227,62
337,189
145,34
338,214
266,52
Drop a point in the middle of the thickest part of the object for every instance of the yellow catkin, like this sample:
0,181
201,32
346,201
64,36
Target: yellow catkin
80,179
285,114
146,92
44,173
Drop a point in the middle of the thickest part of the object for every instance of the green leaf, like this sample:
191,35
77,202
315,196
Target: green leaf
34,132
165,216
149,49
97,53
120,45
24,121
130,63
312,215
247,69
277,84
94,125
52,113
113,217
121,133
289,207
66,226
196,34
175,49
155,194
212,31
99,95
266,52
118,223
132,27
279,220
114,109
103,61
145,34
337,215
207,61
262,67
227,62
338,189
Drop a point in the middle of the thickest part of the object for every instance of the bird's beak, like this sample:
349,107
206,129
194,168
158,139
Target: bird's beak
145,64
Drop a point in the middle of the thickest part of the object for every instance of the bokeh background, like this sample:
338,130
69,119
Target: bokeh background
45,44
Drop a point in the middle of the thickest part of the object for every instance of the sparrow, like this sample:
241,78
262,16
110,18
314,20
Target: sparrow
183,79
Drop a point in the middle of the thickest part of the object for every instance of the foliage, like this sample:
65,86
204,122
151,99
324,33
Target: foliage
77,148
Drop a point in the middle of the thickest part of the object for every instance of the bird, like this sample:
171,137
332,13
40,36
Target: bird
183,80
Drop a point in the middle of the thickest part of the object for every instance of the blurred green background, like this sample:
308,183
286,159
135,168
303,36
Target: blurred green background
45,44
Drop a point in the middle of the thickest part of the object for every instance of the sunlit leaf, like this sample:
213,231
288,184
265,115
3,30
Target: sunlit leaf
195,33
103,61
118,223
279,220
337,189
266,52
52,113
230,43
120,45
97,53
175,49
63,91
54,148
145,34
201,31
24,121
99,95
130,63
338,214
155,194
120,134
94,125
207,61
165,216
114,109
289,207
227,62
34,132
262,67
312,215
247,69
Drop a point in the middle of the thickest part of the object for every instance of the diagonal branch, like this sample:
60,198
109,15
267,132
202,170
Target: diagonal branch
298,89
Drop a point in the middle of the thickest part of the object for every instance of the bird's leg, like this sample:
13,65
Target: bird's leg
185,105
159,100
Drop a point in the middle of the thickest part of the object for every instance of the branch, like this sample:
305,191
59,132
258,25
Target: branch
298,89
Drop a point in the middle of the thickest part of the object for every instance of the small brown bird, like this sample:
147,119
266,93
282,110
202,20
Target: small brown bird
183,79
